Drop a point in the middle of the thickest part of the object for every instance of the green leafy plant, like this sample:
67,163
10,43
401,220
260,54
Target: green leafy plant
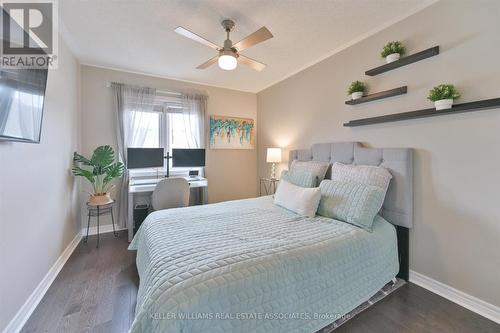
393,47
356,86
99,170
443,91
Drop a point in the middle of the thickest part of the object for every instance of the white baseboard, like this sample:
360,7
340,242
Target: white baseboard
102,229
472,303
22,316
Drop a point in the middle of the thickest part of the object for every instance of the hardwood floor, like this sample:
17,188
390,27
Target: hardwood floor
415,309
97,288
94,292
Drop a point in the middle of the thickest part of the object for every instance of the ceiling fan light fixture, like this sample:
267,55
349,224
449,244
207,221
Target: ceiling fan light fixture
229,54
227,62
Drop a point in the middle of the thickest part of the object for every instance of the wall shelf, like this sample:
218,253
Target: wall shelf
404,61
432,112
379,95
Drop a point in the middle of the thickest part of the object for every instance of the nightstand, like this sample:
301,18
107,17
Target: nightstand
269,184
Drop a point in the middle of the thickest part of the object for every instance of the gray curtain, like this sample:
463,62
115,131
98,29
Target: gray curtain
194,108
128,101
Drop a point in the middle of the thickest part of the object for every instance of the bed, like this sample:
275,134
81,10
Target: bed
251,266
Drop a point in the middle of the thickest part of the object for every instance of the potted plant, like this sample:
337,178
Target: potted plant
392,51
356,89
99,170
443,96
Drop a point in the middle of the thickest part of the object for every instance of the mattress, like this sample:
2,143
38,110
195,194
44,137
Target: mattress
251,266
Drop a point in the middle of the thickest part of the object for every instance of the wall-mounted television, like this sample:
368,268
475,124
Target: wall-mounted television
22,97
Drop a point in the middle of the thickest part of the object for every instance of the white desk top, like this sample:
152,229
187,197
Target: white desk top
149,184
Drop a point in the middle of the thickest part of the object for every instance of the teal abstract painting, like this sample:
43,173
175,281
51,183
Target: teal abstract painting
231,132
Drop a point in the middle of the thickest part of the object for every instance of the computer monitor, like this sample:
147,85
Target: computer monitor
139,158
188,157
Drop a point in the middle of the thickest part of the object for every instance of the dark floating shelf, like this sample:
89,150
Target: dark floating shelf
379,95
458,108
404,61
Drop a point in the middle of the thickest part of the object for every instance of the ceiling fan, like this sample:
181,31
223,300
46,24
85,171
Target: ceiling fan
229,54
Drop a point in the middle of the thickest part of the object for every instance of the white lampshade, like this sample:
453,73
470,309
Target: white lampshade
273,155
227,62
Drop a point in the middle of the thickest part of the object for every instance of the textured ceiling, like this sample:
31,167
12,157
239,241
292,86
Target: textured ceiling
138,35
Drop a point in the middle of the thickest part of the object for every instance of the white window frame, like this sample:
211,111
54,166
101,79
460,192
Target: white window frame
164,107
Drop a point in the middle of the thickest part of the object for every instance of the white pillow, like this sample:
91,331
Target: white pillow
361,174
301,200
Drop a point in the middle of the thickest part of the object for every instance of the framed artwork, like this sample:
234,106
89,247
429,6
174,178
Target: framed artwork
231,133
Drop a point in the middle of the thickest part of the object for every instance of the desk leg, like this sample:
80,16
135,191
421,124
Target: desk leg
130,217
204,195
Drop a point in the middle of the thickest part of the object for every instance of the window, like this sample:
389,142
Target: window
168,126
180,130
146,130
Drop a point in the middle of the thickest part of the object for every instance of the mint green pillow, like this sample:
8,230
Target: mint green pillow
300,178
353,203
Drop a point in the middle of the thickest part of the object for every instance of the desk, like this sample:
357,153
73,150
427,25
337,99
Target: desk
145,187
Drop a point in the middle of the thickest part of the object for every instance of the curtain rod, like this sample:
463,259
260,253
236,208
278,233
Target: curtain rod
163,92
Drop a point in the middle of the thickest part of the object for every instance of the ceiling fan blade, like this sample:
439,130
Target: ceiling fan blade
208,63
191,35
257,37
258,66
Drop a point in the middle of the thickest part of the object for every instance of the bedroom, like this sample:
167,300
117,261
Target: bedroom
440,211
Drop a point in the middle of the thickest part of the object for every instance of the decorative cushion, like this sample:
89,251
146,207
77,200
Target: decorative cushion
315,168
361,174
353,203
301,200
300,178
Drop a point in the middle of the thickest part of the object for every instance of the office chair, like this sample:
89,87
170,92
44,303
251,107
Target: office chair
170,193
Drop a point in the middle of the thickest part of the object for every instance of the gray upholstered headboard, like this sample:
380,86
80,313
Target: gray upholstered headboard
398,204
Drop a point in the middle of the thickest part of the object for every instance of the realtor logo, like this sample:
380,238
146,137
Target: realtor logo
28,33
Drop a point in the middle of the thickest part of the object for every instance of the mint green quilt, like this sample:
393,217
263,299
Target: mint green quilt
251,266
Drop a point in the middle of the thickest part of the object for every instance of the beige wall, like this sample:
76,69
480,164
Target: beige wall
457,180
38,205
231,173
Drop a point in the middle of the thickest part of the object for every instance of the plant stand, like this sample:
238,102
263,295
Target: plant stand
97,211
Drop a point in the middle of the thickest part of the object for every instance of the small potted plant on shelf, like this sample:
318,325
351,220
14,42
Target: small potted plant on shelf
99,170
392,51
356,89
443,96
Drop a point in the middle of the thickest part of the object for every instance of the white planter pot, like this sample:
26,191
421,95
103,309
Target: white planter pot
443,104
357,94
392,57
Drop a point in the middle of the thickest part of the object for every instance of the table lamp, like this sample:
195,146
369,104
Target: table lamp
273,156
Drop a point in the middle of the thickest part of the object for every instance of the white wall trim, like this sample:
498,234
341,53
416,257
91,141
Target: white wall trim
472,303
199,83
21,317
